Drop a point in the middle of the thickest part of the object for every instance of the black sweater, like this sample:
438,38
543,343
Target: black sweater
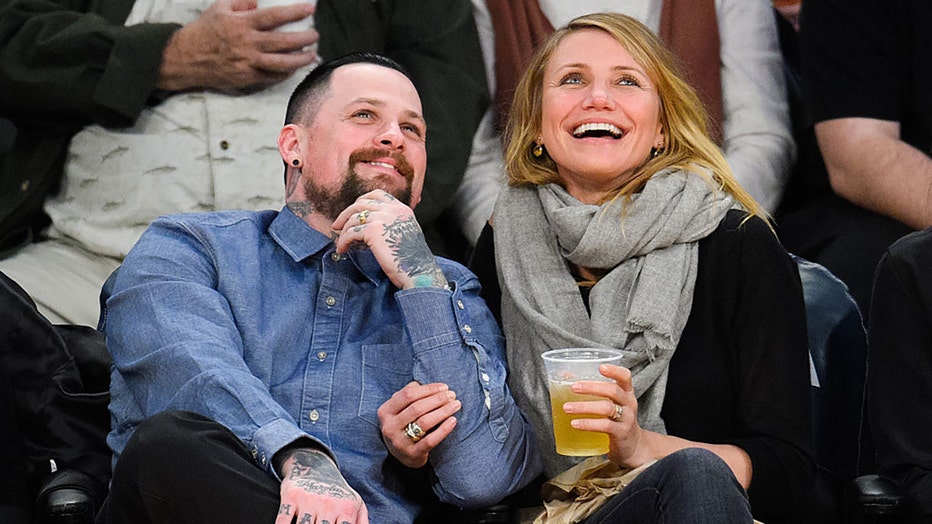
740,374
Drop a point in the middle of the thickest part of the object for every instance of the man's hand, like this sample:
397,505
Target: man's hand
233,47
313,491
388,227
431,407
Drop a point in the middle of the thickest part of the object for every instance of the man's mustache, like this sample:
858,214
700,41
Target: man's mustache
372,154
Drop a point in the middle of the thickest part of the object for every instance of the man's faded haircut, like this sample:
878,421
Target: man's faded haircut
307,98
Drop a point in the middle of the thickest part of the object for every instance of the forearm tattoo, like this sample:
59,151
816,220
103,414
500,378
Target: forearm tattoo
412,256
315,473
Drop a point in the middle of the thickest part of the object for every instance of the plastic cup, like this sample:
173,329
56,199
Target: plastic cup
300,25
565,366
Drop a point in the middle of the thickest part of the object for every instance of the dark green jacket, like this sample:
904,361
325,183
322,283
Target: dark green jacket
65,64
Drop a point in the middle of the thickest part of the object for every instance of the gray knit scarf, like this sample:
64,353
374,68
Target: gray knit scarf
649,248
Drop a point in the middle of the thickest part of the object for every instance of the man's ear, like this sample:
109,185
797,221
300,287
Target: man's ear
289,143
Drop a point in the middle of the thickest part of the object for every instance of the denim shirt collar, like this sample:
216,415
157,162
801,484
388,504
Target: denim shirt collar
301,241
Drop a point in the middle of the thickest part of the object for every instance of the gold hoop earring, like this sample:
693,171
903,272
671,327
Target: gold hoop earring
538,150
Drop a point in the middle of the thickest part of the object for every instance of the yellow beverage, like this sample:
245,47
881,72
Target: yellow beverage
571,441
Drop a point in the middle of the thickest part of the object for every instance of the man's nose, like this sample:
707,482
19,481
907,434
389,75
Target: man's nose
391,135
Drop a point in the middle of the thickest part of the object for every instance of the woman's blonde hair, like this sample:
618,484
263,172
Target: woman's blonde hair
682,116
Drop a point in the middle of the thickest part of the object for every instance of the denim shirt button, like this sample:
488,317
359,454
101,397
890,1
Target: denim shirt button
321,355
466,328
335,256
330,301
459,304
313,415
485,377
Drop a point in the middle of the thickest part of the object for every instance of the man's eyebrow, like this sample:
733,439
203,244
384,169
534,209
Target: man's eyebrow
415,115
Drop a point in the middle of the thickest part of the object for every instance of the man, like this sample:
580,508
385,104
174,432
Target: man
322,345
129,109
875,142
900,379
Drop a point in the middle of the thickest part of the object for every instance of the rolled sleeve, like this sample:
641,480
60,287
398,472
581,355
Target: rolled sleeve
430,319
457,341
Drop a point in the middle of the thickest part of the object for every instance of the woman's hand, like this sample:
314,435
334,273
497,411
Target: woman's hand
630,445
627,445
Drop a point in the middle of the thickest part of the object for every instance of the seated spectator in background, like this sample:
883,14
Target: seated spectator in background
729,51
54,391
322,345
900,379
622,226
875,141
126,110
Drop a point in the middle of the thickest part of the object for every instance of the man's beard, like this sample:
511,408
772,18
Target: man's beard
331,203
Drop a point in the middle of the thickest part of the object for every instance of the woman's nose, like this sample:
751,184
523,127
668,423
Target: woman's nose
598,97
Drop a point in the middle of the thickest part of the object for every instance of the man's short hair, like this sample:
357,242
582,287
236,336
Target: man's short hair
306,98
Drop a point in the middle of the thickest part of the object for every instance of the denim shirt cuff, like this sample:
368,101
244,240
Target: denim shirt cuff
274,436
432,317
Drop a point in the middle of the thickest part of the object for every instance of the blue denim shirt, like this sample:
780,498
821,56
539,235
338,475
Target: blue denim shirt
253,319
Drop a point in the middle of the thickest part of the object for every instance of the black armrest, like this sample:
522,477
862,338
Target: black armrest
877,495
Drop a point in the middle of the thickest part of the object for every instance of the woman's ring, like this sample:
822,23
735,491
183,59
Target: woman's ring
414,432
362,216
619,411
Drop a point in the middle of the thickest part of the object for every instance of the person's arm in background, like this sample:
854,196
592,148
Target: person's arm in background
853,59
67,63
869,165
437,43
758,141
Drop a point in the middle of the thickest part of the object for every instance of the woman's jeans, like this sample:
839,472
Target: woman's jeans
691,485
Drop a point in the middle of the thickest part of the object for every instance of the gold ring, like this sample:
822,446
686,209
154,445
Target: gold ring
362,216
414,432
619,411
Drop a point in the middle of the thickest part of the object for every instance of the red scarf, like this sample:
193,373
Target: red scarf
688,27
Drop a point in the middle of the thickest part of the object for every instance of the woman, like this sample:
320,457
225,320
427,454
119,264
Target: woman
729,49
623,227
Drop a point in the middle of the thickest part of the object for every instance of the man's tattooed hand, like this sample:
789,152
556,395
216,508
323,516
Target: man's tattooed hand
314,491
315,473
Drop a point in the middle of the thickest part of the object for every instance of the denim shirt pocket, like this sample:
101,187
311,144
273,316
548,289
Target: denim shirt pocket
386,368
